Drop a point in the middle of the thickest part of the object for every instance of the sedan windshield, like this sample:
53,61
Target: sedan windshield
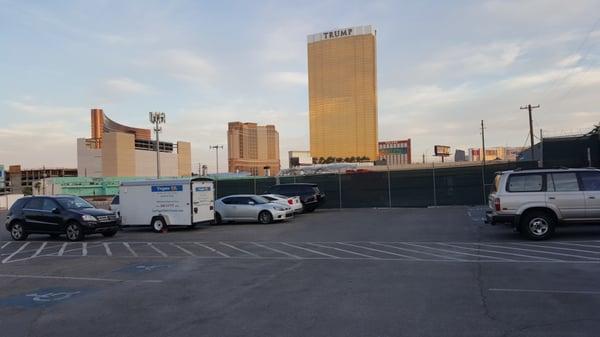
260,200
73,203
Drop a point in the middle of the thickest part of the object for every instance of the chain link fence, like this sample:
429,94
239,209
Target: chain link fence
423,187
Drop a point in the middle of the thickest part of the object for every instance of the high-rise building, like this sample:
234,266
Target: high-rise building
342,84
395,152
253,148
117,150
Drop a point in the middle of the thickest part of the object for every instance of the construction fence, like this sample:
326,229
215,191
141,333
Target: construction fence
423,187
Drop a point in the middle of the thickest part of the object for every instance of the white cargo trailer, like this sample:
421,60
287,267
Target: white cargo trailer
162,203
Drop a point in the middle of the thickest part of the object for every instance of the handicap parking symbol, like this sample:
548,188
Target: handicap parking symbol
41,297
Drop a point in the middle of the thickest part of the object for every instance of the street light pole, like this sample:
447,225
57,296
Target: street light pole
529,107
157,118
216,147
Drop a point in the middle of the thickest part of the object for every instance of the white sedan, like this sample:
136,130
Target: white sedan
293,202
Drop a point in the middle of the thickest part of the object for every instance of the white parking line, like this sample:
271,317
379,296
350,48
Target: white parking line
578,244
211,249
15,252
84,249
379,250
130,249
5,245
37,252
62,249
157,250
183,249
449,258
238,249
343,250
550,291
76,278
559,248
107,248
277,250
461,253
499,252
540,251
309,250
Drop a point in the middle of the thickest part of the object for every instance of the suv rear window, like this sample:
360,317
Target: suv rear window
525,183
562,182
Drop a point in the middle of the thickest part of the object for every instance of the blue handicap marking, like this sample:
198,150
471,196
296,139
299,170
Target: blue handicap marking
41,297
143,267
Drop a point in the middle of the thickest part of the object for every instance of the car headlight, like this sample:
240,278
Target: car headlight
279,208
86,217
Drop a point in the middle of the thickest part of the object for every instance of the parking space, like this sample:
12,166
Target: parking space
430,272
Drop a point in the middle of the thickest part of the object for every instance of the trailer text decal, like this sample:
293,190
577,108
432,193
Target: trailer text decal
167,188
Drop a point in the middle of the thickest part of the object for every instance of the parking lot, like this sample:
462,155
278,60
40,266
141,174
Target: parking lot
360,272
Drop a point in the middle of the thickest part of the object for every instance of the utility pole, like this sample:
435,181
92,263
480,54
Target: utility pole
157,118
482,155
216,147
529,107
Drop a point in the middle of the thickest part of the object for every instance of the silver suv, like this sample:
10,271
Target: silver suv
536,201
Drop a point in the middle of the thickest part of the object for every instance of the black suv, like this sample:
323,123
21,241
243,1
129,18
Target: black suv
56,215
309,194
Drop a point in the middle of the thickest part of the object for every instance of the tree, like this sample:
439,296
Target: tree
27,190
329,160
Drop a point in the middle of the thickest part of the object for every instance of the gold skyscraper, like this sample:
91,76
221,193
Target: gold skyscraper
342,85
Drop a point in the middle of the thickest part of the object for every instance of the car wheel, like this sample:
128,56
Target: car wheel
109,234
158,225
17,232
265,217
74,231
538,225
218,219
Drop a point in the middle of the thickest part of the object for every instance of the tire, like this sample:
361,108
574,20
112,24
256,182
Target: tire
218,219
74,231
265,217
158,224
109,234
538,225
17,231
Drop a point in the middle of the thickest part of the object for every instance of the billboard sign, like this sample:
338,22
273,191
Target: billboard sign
2,176
441,150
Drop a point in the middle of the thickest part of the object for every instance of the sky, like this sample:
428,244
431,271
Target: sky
443,66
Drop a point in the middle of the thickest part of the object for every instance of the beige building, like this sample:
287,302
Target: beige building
342,83
253,148
496,153
116,150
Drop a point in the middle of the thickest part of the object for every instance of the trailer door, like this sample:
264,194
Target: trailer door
202,201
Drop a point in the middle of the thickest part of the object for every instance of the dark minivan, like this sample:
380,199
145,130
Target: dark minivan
309,194
56,215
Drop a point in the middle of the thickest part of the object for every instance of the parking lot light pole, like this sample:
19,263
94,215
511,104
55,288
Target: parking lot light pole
157,118
217,148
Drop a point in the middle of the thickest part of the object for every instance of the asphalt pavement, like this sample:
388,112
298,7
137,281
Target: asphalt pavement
360,272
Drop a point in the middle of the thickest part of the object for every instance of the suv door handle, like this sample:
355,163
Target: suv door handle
592,197
551,198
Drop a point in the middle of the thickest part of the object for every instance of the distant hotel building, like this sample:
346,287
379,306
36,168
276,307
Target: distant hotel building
495,153
395,152
116,150
342,84
299,158
18,180
253,148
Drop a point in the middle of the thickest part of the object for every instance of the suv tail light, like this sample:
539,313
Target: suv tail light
290,202
497,204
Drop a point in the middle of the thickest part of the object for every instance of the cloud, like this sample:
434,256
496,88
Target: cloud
29,108
569,61
425,96
474,59
182,64
126,85
287,78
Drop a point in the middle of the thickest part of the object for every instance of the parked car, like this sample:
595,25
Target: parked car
293,202
534,202
309,194
57,215
115,206
248,207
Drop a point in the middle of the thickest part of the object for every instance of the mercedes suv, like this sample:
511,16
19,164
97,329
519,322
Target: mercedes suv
56,215
534,202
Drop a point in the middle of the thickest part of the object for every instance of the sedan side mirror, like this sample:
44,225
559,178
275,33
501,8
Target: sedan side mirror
55,210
